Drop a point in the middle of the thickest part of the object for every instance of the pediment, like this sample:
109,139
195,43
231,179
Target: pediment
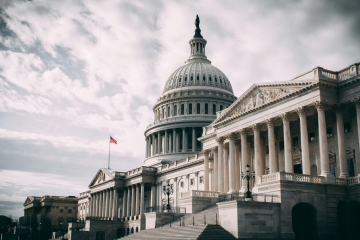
260,95
103,175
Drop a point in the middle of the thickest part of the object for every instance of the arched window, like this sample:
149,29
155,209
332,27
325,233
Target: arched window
182,109
225,82
175,110
197,77
132,230
192,78
198,108
221,107
220,81
180,79
204,78
210,78
163,113
206,108
190,108
214,108
185,79
100,235
215,79
168,111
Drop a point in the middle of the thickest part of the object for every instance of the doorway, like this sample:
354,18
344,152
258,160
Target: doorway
298,168
304,221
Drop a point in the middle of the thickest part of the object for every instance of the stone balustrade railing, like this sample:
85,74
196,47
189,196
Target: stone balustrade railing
140,170
272,177
198,193
353,180
329,74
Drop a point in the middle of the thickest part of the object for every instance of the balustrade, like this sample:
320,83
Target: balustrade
268,178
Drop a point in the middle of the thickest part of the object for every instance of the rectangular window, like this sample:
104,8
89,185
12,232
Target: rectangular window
197,77
164,188
175,110
295,141
281,146
332,169
61,210
311,136
198,108
192,182
172,186
221,107
190,108
60,222
351,168
69,211
214,109
206,108
169,111
329,132
347,127
182,109
201,179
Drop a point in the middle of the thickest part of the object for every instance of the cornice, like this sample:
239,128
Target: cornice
207,137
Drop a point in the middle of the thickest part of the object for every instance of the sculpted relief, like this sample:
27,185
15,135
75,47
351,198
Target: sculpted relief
260,97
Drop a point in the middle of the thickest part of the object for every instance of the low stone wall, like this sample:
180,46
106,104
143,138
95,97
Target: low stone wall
154,219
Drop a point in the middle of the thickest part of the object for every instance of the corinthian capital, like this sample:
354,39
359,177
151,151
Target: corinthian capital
320,105
356,101
285,116
256,127
232,136
220,140
301,111
243,132
338,108
270,122
205,151
215,149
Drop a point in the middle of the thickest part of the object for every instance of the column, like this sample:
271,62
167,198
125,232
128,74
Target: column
99,205
183,140
90,205
237,165
245,160
206,169
289,165
226,168
142,196
124,203
188,181
356,101
232,178
220,165
211,174
175,192
166,142
103,204
273,163
137,200
159,143
153,193
174,140
106,192
128,213
153,144
96,208
323,145
216,170
111,204
133,200
344,170
259,164
305,153
146,147
193,140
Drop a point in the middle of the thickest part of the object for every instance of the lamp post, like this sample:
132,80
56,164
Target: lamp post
168,191
247,176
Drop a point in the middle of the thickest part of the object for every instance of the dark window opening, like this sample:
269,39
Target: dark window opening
69,211
197,47
206,108
61,210
221,107
332,169
181,141
100,235
295,141
347,127
214,109
215,79
351,168
281,146
192,78
192,182
198,143
200,47
209,78
329,132
182,109
179,79
298,168
225,82
185,79
204,78
312,137
190,108
220,80
201,179
175,110
197,78
168,111
198,108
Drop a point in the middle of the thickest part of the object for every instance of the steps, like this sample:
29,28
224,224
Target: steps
201,232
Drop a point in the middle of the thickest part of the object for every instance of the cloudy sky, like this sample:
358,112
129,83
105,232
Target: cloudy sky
73,72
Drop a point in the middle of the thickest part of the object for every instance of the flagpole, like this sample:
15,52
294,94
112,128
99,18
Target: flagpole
109,153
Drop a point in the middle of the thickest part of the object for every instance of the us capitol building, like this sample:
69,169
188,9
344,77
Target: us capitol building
300,137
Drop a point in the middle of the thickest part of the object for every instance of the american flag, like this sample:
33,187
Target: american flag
112,140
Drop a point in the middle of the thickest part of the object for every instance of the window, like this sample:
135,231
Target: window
69,211
198,108
190,108
182,184
295,141
185,79
100,235
214,109
347,127
182,109
210,78
202,179
61,210
192,78
206,108
169,111
215,79
200,47
351,168
329,132
175,110
192,182
61,221
172,186
220,80
225,82
164,188
204,78
180,79
311,136
281,145
221,107
332,169
197,77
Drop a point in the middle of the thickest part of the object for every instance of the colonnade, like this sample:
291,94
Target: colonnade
231,158
168,141
134,200
104,204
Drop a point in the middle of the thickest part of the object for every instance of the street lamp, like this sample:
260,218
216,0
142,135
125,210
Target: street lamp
168,191
247,176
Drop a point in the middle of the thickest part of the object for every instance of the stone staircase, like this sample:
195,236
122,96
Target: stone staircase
200,232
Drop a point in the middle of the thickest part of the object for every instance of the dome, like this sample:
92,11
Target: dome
198,72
